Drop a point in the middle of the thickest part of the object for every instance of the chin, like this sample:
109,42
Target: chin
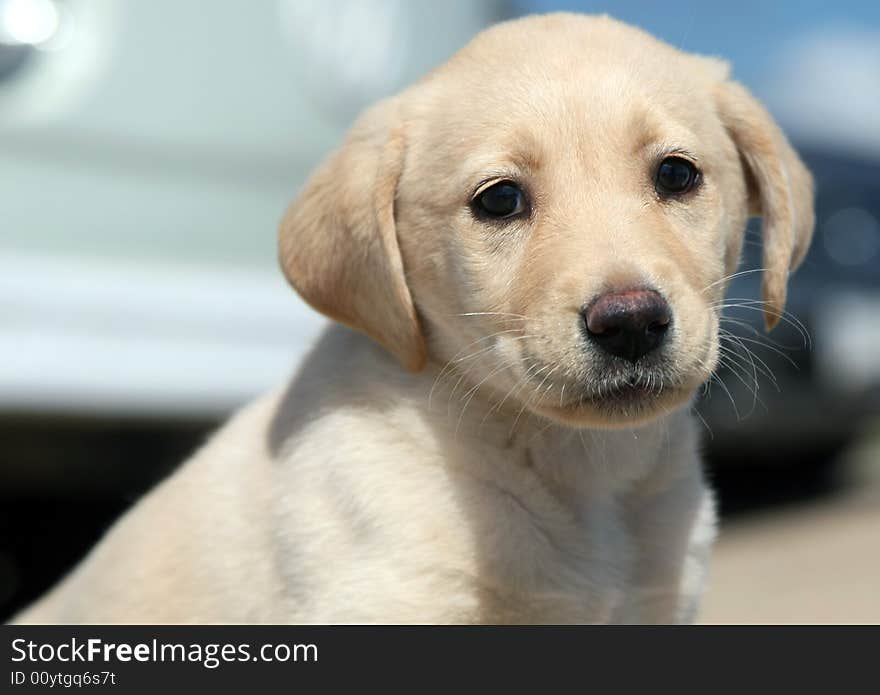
624,407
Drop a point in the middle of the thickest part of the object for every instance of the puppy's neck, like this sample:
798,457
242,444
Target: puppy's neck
471,420
574,462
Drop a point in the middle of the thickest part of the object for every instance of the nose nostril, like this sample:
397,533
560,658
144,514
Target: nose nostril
658,328
628,324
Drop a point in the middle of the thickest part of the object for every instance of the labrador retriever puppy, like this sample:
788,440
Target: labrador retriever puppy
525,254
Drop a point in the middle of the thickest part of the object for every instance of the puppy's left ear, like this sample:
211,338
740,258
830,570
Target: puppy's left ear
338,241
780,190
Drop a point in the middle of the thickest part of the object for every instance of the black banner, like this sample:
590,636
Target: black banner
231,658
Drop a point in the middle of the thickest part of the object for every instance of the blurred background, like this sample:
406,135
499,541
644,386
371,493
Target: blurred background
148,150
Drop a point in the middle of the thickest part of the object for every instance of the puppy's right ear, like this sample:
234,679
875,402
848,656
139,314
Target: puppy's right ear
780,190
338,241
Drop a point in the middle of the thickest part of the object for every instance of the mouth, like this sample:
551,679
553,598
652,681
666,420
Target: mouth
622,399
625,390
614,392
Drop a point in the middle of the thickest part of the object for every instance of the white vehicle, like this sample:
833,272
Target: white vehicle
147,152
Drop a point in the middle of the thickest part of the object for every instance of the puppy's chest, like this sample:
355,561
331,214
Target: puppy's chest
549,551
464,533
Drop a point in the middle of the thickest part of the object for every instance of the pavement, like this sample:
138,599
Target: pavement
817,562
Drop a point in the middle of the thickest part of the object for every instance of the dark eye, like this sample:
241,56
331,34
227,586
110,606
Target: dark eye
500,200
675,176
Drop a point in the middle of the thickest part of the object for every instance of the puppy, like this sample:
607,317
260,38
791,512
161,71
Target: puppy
524,253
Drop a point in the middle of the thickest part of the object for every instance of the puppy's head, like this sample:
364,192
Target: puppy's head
553,213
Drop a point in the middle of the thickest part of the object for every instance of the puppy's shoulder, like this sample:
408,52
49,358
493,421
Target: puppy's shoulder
348,392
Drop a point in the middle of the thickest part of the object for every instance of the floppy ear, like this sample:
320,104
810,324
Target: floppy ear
338,242
780,190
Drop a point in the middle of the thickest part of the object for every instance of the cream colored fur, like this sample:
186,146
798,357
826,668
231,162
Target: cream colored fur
456,454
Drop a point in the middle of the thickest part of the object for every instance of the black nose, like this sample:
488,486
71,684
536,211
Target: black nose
628,324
